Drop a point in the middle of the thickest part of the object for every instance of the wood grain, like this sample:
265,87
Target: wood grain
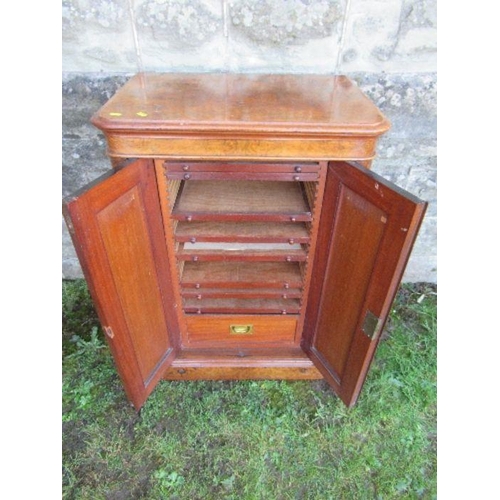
242,306
120,243
216,331
242,232
253,168
163,145
237,275
239,363
369,226
257,252
214,198
318,105
238,117
243,160
247,293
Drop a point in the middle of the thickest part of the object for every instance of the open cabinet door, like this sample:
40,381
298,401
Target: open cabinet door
117,232
367,230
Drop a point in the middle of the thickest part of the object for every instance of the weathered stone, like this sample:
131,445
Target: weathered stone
390,35
417,176
421,268
89,91
393,172
183,24
71,268
81,97
381,35
406,154
426,236
422,265
82,161
408,101
422,182
394,148
282,23
80,15
418,25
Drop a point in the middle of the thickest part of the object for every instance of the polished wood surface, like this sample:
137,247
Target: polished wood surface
148,145
251,169
370,226
120,243
207,116
242,232
242,306
216,330
241,200
242,363
252,160
258,104
238,275
303,371
247,293
261,252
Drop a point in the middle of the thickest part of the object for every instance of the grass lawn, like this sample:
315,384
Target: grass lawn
252,439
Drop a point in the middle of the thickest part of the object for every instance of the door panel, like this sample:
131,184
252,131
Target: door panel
117,232
367,229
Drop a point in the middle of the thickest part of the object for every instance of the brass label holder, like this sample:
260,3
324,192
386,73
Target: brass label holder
371,325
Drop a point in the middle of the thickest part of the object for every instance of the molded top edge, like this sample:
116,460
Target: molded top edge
227,103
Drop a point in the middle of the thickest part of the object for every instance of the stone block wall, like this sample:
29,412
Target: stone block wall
387,46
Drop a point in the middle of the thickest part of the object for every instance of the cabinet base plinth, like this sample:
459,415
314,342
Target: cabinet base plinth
232,364
179,373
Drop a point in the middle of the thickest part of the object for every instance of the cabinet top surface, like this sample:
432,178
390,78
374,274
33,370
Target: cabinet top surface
250,103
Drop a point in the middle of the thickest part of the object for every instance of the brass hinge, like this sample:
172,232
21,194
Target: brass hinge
371,325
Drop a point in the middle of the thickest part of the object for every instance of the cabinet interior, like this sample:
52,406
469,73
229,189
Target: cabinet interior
241,247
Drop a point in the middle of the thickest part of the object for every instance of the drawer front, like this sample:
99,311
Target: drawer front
198,166
241,171
240,329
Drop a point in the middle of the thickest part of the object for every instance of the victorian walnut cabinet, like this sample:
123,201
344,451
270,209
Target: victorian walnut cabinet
240,233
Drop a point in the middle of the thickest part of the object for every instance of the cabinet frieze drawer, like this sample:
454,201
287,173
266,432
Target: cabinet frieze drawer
237,329
241,167
242,176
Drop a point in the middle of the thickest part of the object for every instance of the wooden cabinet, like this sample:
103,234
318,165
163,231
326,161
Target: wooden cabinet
241,233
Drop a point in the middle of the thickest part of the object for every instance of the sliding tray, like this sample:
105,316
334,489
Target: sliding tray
241,171
241,306
242,232
264,252
285,275
241,201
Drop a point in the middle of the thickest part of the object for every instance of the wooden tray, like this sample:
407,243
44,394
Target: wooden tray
242,232
285,275
241,306
263,252
242,201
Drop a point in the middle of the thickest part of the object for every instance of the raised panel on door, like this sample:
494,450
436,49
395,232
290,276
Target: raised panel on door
367,229
117,232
